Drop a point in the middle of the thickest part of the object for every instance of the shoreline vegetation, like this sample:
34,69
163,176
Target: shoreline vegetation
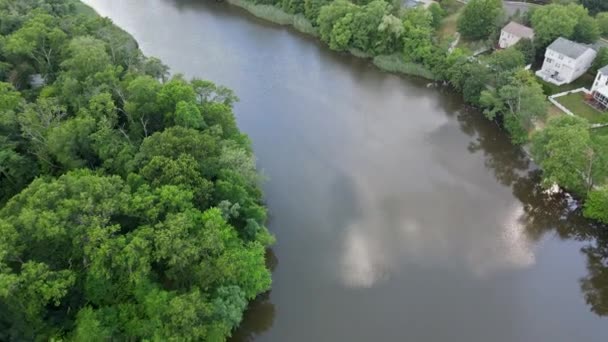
130,205
390,63
443,42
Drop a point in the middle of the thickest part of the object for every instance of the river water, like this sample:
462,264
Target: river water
400,214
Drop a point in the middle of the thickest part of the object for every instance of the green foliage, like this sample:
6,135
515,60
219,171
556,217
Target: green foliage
602,22
471,78
404,40
396,63
418,34
595,6
437,13
568,155
527,48
571,21
601,60
596,206
40,40
130,206
507,60
587,30
519,102
480,18
312,9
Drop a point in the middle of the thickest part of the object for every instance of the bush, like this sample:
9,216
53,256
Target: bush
596,206
396,63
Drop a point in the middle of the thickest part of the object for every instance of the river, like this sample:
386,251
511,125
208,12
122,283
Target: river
400,215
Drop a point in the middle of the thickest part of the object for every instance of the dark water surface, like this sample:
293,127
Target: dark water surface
400,215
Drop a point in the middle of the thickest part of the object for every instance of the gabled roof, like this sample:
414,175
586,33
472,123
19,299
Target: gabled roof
604,70
568,47
519,30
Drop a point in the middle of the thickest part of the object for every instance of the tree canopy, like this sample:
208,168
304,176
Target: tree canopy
480,18
130,206
570,21
569,156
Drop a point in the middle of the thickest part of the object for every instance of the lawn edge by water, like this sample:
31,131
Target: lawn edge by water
389,63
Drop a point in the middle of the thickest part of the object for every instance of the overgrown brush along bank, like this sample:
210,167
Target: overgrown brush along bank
276,15
396,63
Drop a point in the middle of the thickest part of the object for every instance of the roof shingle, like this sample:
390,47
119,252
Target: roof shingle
569,48
519,30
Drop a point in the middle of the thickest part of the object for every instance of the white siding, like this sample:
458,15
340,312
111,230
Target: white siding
566,68
601,80
507,39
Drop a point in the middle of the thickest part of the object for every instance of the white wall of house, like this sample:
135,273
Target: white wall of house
507,39
601,80
567,68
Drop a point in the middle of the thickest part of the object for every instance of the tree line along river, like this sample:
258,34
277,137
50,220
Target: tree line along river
400,214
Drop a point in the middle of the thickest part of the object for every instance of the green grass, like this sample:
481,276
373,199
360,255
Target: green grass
396,63
585,81
600,131
276,15
576,104
358,53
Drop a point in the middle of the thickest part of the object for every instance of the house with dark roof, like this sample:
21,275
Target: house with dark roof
565,61
513,33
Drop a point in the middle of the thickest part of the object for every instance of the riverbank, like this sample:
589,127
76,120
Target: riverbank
391,63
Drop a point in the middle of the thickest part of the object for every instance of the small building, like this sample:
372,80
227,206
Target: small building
513,33
565,61
599,89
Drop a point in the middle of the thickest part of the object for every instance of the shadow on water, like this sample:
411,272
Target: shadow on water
544,214
260,314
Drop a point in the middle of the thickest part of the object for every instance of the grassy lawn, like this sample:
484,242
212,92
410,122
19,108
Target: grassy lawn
584,81
602,131
576,104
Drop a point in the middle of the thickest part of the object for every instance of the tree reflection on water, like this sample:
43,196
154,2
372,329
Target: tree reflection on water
544,214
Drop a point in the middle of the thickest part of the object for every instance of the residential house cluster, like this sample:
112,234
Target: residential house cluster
564,62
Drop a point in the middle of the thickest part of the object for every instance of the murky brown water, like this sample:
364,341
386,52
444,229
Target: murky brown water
400,215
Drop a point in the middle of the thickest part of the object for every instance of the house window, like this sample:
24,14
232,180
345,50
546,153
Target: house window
557,65
560,56
548,60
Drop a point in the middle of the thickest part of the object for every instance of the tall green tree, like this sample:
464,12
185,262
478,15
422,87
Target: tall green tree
480,18
40,40
571,21
519,103
130,206
567,154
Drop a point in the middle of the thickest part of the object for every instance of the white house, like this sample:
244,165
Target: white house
599,89
513,33
566,61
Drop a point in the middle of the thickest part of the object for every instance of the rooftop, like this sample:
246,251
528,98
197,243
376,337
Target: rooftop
568,47
604,70
519,30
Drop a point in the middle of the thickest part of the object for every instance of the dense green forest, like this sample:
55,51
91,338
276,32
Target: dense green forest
130,207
